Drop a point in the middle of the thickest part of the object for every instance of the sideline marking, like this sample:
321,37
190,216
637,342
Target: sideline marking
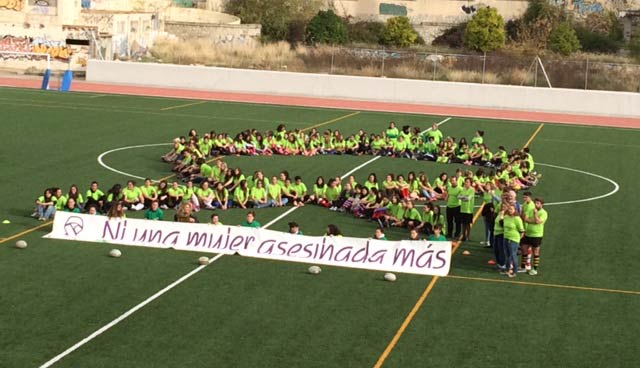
122,149
331,121
385,354
183,105
25,232
591,143
119,319
533,136
97,96
407,321
560,286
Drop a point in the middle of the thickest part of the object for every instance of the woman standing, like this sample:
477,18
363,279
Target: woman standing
513,232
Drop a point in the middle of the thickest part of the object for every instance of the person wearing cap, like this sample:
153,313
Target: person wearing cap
527,212
534,232
294,228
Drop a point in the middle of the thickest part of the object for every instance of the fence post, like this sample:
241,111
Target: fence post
333,51
586,75
383,55
435,60
484,65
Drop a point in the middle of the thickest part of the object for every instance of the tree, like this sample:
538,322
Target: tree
326,27
398,31
275,16
563,39
540,18
634,44
485,31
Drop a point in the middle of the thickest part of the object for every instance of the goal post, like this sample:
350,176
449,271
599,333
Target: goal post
24,60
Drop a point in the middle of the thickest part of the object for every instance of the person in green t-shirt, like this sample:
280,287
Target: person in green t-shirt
175,195
467,202
133,198
241,195
437,234
258,195
513,232
94,197
215,219
71,206
154,212
149,193
378,234
251,220
414,234
205,195
274,194
46,206
392,132
453,208
534,232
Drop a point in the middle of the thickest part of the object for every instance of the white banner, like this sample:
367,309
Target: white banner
419,257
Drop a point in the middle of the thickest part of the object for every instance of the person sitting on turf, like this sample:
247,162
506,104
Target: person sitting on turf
116,211
215,219
333,230
185,214
294,229
154,212
251,220
46,208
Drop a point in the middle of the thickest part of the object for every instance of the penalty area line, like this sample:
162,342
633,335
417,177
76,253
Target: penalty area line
158,294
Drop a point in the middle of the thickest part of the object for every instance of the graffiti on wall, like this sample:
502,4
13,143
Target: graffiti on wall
44,7
56,49
16,5
584,7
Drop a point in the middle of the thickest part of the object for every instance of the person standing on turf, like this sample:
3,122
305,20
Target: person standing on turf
527,212
467,202
513,232
534,232
453,208
251,220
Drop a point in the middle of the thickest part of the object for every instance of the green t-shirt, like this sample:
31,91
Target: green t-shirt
393,133
154,215
188,194
513,226
149,191
301,189
59,202
75,210
413,214
332,193
206,170
527,210
319,191
132,195
436,134
396,210
258,194
466,205
433,237
537,230
175,192
255,223
275,191
240,195
369,185
95,195
454,192
204,193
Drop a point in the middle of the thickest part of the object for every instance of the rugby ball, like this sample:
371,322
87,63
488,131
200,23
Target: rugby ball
21,244
389,277
203,260
115,253
314,270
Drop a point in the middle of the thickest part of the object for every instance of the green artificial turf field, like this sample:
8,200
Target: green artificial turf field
582,310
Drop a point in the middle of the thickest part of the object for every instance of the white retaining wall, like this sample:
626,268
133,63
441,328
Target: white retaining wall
570,101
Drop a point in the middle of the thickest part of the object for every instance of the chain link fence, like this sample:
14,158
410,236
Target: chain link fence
489,68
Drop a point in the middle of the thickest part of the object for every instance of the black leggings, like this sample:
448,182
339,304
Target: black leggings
453,215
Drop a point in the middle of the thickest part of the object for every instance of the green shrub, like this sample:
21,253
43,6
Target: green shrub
398,31
485,31
634,45
275,16
563,39
366,32
595,41
326,27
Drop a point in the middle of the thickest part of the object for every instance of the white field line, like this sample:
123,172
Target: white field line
126,314
101,162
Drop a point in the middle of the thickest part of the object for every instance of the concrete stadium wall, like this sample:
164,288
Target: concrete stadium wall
570,101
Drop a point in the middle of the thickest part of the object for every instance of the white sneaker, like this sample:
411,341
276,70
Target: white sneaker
164,207
137,207
533,272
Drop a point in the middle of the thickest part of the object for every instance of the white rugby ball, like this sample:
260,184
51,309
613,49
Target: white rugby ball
21,244
314,270
390,277
115,253
203,260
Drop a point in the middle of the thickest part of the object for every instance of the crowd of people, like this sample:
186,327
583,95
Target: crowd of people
391,202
